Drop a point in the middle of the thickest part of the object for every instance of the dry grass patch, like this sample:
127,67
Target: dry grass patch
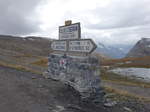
141,62
142,84
42,62
118,79
19,67
124,95
26,56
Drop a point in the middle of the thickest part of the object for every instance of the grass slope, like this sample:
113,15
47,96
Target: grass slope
141,62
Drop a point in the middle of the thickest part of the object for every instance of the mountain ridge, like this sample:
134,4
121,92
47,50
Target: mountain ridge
113,51
141,48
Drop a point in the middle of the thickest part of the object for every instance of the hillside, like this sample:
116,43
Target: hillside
28,45
141,62
30,52
142,48
27,50
23,51
28,55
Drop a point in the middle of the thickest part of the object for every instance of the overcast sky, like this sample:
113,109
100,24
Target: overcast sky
107,21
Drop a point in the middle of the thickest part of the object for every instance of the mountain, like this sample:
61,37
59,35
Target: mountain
113,51
29,52
139,62
141,48
27,45
15,49
39,46
20,52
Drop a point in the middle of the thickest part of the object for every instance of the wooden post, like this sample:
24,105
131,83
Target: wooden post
68,22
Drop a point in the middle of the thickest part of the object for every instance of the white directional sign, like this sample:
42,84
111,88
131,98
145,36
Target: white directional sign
70,40
59,45
72,31
78,45
82,45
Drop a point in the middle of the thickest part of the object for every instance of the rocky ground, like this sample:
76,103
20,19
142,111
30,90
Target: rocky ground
27,92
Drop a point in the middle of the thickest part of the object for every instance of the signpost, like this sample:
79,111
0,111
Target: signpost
71,62
72,31
59,45
82,45
70,40
76,46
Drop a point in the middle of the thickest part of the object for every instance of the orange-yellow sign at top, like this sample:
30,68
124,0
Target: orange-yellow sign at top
68,22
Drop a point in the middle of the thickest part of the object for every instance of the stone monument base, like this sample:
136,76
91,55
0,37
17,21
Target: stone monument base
81,73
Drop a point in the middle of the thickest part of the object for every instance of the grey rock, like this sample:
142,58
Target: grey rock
80,73
75,107
109,95
142,48
127,109
110,103
46,75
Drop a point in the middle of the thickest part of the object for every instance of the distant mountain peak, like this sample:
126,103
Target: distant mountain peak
145,39
141,48
101,45
113,51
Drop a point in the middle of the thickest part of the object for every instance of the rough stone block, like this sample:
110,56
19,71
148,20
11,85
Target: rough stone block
83,74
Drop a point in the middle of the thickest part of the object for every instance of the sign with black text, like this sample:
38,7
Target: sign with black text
70,41
59,45
82,45
72,31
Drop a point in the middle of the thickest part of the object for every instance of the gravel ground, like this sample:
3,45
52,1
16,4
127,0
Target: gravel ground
27,92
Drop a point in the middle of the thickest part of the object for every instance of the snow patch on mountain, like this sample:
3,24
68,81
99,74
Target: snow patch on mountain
113,51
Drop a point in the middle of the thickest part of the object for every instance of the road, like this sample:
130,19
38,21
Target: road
27,92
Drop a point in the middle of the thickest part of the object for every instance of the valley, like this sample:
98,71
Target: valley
26,59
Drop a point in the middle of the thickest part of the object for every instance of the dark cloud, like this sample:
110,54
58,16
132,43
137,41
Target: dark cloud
17,17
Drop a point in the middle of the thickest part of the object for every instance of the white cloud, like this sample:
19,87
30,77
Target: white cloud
109,21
